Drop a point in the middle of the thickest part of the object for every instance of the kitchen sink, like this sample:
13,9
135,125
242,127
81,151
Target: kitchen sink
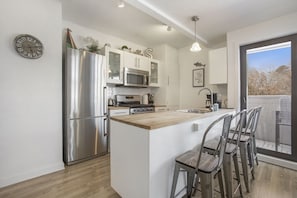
198,110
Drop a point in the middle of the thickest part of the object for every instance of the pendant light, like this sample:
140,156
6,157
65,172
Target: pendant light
121,4
195,46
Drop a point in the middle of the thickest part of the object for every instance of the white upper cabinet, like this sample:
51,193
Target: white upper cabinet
135,61
218,66
114,60
154,73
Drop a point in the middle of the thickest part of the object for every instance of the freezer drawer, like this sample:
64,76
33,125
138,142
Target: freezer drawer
84,139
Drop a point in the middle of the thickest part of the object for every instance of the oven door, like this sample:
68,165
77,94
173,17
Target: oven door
136,78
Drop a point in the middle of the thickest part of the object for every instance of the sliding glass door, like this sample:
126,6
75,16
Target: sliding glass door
269,79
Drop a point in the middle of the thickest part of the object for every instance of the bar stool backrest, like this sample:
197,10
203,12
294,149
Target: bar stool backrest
240,117
256,119
250,119
219,152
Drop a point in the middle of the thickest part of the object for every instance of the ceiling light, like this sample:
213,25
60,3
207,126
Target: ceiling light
121,4
195,46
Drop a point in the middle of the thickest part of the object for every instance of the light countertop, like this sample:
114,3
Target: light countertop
162,119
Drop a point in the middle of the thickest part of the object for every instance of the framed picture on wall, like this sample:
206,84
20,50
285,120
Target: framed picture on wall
198,77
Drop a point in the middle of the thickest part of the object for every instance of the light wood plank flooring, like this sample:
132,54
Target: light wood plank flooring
91,179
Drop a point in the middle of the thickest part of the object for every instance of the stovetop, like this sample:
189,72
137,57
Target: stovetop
135,105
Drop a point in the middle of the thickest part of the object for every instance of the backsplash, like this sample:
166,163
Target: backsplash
113,90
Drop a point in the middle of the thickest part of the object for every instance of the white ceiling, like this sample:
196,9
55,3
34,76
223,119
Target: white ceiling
142,21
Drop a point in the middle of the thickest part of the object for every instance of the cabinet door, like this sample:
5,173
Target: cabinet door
143,63
135,61
218,66
154,73
114,59
130,60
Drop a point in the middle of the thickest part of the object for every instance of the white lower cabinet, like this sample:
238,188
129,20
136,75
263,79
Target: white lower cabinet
118,112
112,113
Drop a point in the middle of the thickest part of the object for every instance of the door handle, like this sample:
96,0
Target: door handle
105,100
105,127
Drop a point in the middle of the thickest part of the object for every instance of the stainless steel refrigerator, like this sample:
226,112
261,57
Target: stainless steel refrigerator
84,106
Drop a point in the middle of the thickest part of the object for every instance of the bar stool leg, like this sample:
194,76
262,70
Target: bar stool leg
235,160
227,166
174,182
251,158
243,156
190,180
207,184
221,183
255,150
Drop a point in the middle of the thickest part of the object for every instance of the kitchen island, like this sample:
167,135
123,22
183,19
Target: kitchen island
143,148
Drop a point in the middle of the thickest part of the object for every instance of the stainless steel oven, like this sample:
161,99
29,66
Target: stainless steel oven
136,78
134,104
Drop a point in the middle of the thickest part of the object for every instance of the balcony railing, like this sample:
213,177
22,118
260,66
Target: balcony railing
274,128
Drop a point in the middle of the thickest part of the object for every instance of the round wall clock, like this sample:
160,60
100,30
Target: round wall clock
28,46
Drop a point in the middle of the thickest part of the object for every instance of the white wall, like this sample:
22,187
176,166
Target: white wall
277,27
30,92
189,97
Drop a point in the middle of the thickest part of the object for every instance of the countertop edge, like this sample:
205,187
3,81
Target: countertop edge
138,119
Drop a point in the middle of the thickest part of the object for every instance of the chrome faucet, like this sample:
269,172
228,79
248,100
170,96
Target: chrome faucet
211,97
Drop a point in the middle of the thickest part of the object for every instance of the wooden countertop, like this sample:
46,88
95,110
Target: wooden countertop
162,119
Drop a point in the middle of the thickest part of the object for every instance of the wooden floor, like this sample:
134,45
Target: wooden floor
91,179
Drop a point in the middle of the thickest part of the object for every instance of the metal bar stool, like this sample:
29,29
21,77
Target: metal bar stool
254,129
246,144
231,153
205,166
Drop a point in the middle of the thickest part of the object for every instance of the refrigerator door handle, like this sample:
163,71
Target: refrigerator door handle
105,100
105,126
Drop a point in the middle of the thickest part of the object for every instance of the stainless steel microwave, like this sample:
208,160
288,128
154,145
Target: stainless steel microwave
135,77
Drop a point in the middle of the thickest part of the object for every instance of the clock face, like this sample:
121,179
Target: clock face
28,46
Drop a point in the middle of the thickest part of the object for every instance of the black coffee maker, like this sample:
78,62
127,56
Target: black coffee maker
150,98
215,100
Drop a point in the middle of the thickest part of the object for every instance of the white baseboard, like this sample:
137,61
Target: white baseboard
31,174
277,161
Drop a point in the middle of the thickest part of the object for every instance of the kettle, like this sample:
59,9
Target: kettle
110,102
145,99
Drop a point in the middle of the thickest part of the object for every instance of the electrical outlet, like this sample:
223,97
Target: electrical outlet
195,127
